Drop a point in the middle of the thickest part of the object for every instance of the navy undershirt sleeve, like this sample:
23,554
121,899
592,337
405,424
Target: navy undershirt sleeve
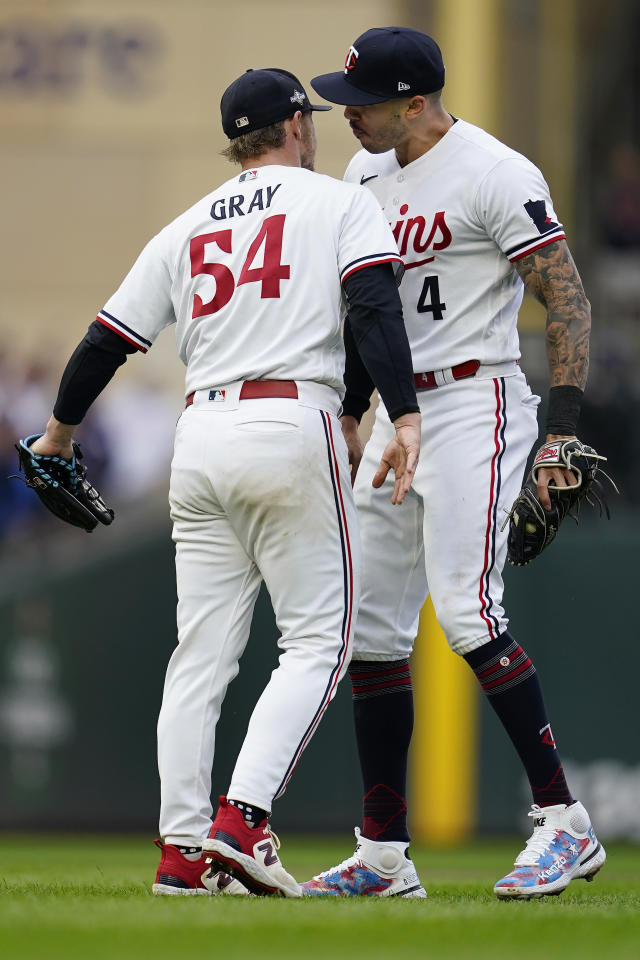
358,383
376,344
90,368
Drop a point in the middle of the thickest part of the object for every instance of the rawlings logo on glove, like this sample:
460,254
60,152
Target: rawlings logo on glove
62,486
531,527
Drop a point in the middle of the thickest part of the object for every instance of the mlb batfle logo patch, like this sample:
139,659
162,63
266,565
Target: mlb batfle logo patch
218,396
248,175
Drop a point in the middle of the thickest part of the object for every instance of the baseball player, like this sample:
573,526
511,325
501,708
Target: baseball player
254,277
475,225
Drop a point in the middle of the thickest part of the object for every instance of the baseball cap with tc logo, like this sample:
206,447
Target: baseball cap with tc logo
383,64
261,97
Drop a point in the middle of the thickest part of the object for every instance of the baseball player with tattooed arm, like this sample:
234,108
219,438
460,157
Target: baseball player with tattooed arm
475,226
255,277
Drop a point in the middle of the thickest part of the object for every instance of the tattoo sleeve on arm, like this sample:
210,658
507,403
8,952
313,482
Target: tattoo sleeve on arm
551,276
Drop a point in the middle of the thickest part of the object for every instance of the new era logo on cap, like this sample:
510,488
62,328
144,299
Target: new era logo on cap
403,86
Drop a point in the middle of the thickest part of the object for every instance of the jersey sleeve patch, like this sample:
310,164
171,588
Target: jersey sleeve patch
537,210
123,330
548,230
361,262
530,246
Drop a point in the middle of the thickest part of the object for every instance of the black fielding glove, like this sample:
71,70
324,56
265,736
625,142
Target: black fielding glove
62,486
531,527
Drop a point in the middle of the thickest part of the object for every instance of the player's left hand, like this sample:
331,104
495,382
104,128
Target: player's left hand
401,454
355,446
56,441
50,466
572,472
556,476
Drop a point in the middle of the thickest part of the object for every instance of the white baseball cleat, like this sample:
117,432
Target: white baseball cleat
375,870
249,854
563,847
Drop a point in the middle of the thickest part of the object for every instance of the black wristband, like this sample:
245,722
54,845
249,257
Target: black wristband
564,410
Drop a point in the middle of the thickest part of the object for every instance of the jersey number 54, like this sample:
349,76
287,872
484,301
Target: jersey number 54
268,275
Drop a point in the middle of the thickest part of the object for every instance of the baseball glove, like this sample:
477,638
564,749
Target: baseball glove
531,527
62,486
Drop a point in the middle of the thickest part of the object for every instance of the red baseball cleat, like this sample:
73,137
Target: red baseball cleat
179,876
248,853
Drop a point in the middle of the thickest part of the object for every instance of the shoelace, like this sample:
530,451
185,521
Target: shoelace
274,836
537,843
345,863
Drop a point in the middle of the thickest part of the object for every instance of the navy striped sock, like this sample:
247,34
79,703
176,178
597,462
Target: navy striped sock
383,713
509,679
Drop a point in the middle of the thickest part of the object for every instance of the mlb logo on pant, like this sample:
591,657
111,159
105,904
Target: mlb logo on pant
218,396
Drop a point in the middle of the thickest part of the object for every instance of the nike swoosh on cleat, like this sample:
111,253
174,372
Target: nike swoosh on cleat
364,179
404,893
591,855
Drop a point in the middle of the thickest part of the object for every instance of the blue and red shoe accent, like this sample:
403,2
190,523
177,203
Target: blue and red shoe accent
354,881
376,869
562,848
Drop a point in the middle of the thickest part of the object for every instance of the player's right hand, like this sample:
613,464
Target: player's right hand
401,454
354,443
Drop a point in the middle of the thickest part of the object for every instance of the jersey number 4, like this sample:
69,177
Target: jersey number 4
429,300
269,274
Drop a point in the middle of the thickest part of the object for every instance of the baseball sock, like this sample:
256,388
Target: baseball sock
383,713
252,815
509,679
191,853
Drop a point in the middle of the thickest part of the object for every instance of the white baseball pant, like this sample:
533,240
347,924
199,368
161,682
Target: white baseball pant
446,540
259,488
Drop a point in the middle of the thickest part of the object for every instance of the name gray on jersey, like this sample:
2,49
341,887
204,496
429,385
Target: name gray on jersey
233,207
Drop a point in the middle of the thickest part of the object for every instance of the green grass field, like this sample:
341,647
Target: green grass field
89,897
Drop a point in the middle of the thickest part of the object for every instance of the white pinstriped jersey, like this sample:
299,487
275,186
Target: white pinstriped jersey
274,237
462,213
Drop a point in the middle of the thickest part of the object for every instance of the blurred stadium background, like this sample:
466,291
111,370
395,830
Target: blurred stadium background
110,128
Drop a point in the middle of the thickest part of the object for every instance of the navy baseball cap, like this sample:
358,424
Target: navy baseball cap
383,64
261,97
